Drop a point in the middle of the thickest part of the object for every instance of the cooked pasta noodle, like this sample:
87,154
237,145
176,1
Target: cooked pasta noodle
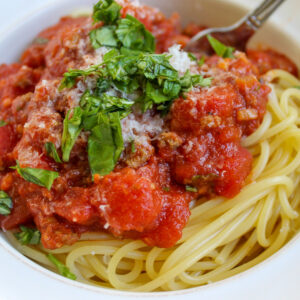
224,236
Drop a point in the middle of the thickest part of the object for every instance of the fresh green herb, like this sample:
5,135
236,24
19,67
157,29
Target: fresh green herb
199,80
133,148
62,269
107,11
70,77
40,177
28,236
105,144
104,36
40,41
52,152
192,56
128,32
166,189
201,61
220,49
297,87
71,131
133,35
5,204
2,123
152,74
191,189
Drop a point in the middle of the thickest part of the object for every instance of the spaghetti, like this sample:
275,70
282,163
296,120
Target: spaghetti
223,236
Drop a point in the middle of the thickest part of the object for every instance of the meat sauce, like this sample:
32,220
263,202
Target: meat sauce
146,197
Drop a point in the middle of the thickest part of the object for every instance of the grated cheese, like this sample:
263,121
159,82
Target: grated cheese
180,60
134,126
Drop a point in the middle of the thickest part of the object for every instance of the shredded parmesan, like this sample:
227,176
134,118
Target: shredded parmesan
137,126
180,60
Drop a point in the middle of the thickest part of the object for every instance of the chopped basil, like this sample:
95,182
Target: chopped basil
28,236
199,80
2,123
166,189
6,204
133,35
220,49
127,32
191,189
201,61
70,77
105,144
192,56
133,148
62,269
52,152
104,36
40,177
107,11
71,131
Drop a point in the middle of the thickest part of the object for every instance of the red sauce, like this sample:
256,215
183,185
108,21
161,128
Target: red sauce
202,146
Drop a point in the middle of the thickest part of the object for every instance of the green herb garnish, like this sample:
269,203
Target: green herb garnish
105,144
125,32
133,148
189,188
28,236
52,152
62,269
6,204
2,123
107,11
220,49
133,35
41,177
201,61
72,129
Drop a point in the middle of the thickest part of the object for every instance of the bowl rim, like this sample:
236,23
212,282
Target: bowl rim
14,253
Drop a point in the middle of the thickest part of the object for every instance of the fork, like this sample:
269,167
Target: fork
238,34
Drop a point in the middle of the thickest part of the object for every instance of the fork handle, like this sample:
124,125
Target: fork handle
256,18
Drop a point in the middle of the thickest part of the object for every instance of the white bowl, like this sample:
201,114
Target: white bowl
275,278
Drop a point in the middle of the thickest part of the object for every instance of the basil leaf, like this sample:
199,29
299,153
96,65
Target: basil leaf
28,236
52,152
105,144
104,36
133,35
41,177
107,11
192,56
201,61
72,129
189,188
220,49
199,80
62,269
103,85
70,77
2,123
297,87
155,94
6,204
133,148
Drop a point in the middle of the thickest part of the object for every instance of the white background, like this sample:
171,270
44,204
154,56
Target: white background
12,11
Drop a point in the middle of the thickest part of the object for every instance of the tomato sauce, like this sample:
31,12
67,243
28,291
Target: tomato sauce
148,200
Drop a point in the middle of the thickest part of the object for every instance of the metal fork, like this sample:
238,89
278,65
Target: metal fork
248,25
